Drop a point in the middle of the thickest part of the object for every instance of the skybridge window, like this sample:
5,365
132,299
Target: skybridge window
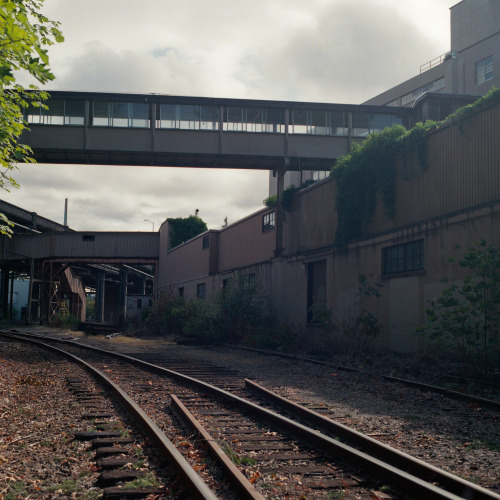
317,122
120,114
187,117
365,124
58,112
253,119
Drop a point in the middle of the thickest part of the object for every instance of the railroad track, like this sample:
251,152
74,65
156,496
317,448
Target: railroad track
271,440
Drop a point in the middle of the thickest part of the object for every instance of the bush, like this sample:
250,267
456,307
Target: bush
167,315
65,321
239,313
466,317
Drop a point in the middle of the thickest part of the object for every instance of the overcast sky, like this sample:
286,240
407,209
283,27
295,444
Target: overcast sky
341,51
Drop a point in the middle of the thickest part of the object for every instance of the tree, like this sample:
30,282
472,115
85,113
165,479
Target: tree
25,35
466,316
183,229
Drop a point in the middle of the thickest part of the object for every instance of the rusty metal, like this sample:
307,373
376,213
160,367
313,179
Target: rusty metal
412,486
172,455
244,487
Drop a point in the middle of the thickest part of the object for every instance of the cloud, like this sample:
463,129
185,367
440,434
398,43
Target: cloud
320,50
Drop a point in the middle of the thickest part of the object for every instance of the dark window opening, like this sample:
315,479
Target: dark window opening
88,237
268,221
405,258
201,290
316,289
206,242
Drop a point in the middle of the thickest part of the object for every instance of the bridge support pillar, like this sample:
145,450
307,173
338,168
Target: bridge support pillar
279,208
99,297
123,296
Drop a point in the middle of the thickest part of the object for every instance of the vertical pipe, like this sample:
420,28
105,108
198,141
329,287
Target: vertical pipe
66,212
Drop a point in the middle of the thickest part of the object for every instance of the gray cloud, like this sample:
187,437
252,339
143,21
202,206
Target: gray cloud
320,50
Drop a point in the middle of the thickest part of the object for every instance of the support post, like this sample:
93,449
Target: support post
99,297
279,208
123,296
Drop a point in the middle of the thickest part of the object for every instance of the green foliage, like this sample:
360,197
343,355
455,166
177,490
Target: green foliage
361,322
464,114
184,228
167,315
239,313
368,168
25,35
288,194
242,311
466,317
65,321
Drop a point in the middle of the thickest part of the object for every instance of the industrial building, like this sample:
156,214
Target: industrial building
294,254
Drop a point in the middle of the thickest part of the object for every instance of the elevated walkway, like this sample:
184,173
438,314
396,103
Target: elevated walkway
163,130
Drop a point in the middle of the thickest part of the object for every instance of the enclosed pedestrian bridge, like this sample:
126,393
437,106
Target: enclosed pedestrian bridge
164,130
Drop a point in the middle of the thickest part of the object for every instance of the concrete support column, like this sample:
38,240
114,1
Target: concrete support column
123,295
99,297
279,209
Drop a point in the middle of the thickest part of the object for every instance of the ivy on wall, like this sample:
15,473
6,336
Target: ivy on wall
288,194
370,169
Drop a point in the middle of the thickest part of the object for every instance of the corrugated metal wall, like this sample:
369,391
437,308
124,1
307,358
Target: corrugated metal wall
463,172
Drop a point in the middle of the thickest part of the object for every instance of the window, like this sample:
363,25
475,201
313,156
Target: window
206,242
316,289
120,114
434,86
59,112
405,258
242,119
139,303
201,290
318,175
88,237
187,117
484,70
268,221
180,291
248,280
317,122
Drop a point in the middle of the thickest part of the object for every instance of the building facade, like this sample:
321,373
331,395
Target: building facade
454,201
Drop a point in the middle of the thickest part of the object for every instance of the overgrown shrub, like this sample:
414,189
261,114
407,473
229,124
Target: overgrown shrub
167,315
65,321
242,312
465,318
239,313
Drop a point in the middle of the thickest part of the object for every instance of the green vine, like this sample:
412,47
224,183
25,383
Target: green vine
370,168
288,194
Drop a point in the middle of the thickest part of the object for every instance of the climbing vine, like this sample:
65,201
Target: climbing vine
370,168
288,194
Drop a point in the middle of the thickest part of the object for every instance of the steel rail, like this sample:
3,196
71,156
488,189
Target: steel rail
381,450
243,485
171,454
411,485
457,395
